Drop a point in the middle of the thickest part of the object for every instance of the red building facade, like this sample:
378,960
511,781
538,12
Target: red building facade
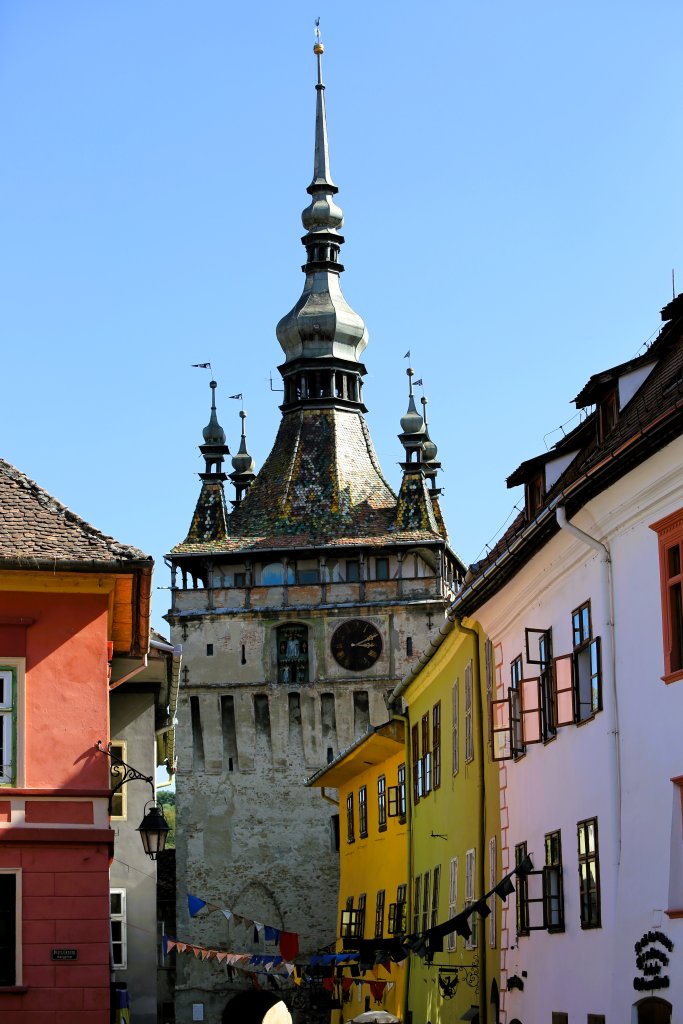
70,598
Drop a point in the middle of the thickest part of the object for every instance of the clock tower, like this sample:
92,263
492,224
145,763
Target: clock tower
298,612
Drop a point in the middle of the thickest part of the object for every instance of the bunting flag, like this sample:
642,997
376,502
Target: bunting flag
288,941
194,905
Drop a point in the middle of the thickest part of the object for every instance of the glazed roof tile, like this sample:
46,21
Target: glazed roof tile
36,529
321,485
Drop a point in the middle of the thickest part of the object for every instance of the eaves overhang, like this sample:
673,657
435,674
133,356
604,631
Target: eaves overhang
371,749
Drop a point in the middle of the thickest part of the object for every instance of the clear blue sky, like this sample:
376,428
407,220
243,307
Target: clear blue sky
511,180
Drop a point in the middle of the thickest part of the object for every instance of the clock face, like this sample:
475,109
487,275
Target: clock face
356,645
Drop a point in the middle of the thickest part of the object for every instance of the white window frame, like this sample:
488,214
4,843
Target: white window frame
18,938
493,875
452,901
120,749
455,726
12,717
469,725
123,965
470,866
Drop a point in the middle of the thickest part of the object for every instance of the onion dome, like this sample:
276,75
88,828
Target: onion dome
213,432
412,423
242,462
429,449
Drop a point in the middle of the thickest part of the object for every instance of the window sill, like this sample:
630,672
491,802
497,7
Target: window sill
588,926
674,913
13,990
672,677
364,835
381,828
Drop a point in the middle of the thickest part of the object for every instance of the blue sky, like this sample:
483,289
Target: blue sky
511,181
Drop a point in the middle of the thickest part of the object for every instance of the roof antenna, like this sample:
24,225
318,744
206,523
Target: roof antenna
270,378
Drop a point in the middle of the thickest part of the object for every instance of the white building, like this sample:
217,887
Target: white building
582,600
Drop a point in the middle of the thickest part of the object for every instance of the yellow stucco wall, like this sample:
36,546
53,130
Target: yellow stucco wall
461,815
371,863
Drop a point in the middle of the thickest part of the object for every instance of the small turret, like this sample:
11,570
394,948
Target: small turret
429,453
412,426
243,465
210,519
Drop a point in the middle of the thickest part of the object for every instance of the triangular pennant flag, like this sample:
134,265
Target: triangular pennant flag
194,905
211,908
227,914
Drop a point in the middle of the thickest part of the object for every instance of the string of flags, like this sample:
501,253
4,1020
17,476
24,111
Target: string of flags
369,954
288,942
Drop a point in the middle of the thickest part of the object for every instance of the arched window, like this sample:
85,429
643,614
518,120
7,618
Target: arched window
292,654
654,1011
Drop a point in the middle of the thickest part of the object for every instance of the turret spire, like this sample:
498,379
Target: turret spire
322,325
243,465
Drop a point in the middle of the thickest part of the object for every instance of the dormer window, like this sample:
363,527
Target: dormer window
535,492
608,413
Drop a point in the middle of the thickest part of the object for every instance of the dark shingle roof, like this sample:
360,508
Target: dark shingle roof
36,529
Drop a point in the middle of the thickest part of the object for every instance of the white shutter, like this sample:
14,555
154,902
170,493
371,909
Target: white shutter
453,900
469,731
455,726
470,856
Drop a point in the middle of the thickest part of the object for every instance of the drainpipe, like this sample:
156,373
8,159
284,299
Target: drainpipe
481,822
608,596
129,675
409,829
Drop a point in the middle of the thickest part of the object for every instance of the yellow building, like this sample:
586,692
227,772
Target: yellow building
371,778
453,789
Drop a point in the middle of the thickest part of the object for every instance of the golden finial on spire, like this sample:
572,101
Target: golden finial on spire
318,46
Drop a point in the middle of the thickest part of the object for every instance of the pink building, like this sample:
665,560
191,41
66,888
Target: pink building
70,599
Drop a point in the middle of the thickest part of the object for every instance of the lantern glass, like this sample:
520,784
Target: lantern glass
153,831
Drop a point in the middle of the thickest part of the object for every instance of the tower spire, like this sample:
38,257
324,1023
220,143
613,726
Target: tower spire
322,325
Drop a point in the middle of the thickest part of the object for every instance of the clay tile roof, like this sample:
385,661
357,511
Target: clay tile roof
36,529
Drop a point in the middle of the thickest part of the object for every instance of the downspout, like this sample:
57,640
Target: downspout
409,853
608,595
130,675
481,822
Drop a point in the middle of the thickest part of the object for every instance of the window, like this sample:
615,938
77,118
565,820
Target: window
595,1018
452,900
539,651
578,676
240,579
516,676
587,669
10,948
119,803
534,491
670,534
379,914
349,921
426,880
292,654
454,726
352,570
552,878
436,882
417,890
397,912
8,729
493,878
560,1018
675,908
360,923
522,889
470,859
417,763
401,792
350,836
436,745
426,756
469,726
409,646
363,812
608,413
307,573
381,568
589,873
382,803
119,951
274,574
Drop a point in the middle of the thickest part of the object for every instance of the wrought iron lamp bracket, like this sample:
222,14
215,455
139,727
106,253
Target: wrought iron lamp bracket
128,774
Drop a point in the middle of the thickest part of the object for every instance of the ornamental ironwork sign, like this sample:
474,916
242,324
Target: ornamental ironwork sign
650,960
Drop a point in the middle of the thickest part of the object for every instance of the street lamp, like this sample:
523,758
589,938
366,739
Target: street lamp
153,828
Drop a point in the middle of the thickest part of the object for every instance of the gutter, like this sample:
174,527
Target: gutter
608,597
